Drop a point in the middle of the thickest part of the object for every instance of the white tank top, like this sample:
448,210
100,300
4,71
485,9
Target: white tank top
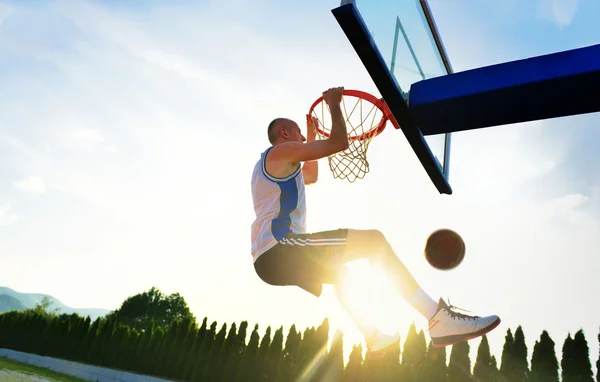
279,205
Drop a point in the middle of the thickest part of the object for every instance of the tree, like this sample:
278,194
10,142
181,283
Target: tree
43,307
598,363
459,367
507,358
435,369
414,354
567,363
334,364
248,370
581,358
140,310
290,353
520,366
484,370
544,364
353,370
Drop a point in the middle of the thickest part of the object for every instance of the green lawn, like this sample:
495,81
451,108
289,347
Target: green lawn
15,371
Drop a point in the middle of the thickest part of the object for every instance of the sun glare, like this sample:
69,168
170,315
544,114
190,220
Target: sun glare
373,294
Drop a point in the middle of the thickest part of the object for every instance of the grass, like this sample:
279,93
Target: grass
34,371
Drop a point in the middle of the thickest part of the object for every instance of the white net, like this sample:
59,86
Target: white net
364,121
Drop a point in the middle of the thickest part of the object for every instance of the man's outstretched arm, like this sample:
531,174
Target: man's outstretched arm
295,152
310,170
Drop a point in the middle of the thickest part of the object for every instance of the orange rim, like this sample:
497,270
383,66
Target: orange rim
377,102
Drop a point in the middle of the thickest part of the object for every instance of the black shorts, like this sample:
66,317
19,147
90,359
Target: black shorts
304,260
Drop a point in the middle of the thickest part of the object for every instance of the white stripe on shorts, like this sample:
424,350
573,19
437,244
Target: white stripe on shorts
313,242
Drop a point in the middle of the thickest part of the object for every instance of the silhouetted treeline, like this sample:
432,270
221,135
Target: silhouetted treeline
212,352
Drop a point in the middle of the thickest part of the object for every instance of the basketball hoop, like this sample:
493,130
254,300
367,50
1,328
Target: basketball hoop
366,120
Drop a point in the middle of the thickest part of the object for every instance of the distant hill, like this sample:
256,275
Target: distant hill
9,303
13,300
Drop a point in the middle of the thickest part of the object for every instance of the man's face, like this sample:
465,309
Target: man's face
294,134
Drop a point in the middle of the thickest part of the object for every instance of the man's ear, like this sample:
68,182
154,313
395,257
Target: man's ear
284,132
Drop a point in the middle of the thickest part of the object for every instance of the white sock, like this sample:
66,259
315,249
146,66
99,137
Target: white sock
423,303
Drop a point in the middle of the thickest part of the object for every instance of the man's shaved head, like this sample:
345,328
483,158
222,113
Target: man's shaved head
273,129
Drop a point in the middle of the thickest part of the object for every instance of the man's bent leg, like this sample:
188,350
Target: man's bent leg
446,326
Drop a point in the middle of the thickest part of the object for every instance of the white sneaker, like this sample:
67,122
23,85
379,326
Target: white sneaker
379,343
448,327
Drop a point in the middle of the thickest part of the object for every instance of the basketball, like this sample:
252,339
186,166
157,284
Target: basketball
445,249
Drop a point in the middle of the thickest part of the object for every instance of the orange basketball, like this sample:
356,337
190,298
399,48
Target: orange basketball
444,249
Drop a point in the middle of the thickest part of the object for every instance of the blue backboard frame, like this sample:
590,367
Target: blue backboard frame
355,29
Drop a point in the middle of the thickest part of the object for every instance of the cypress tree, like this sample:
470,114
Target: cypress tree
435,364
290,354
598,361
213,355
334,366
119,346
567,362
459,367
128,360
171,345
520,364
321,339
273,356
187,349
223,354
318,350
90,341
236,352
141,349
303,352
248,369
495,371
581,358
353,370
483,369
178,347
263,349
389,366
108,330
544,364
414,354
191,357
78,352
162,349
201,358
152,352
507,358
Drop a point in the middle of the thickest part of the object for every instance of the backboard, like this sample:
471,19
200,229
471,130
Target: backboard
399,44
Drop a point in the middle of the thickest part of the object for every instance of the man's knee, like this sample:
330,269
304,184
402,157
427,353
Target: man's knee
366,237
369,243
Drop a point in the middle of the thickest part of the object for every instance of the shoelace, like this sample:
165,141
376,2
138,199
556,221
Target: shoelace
371,341
451,311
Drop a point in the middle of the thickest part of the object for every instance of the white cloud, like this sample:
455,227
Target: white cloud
6,218
175,63
571,209
559,12
85,139
17,144
5,12
34,185
500,162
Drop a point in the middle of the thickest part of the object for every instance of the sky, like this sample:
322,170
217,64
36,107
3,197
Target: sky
129,131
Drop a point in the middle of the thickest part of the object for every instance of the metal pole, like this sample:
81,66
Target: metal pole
449,70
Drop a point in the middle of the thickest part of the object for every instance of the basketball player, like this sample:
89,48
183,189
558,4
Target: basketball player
284,254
